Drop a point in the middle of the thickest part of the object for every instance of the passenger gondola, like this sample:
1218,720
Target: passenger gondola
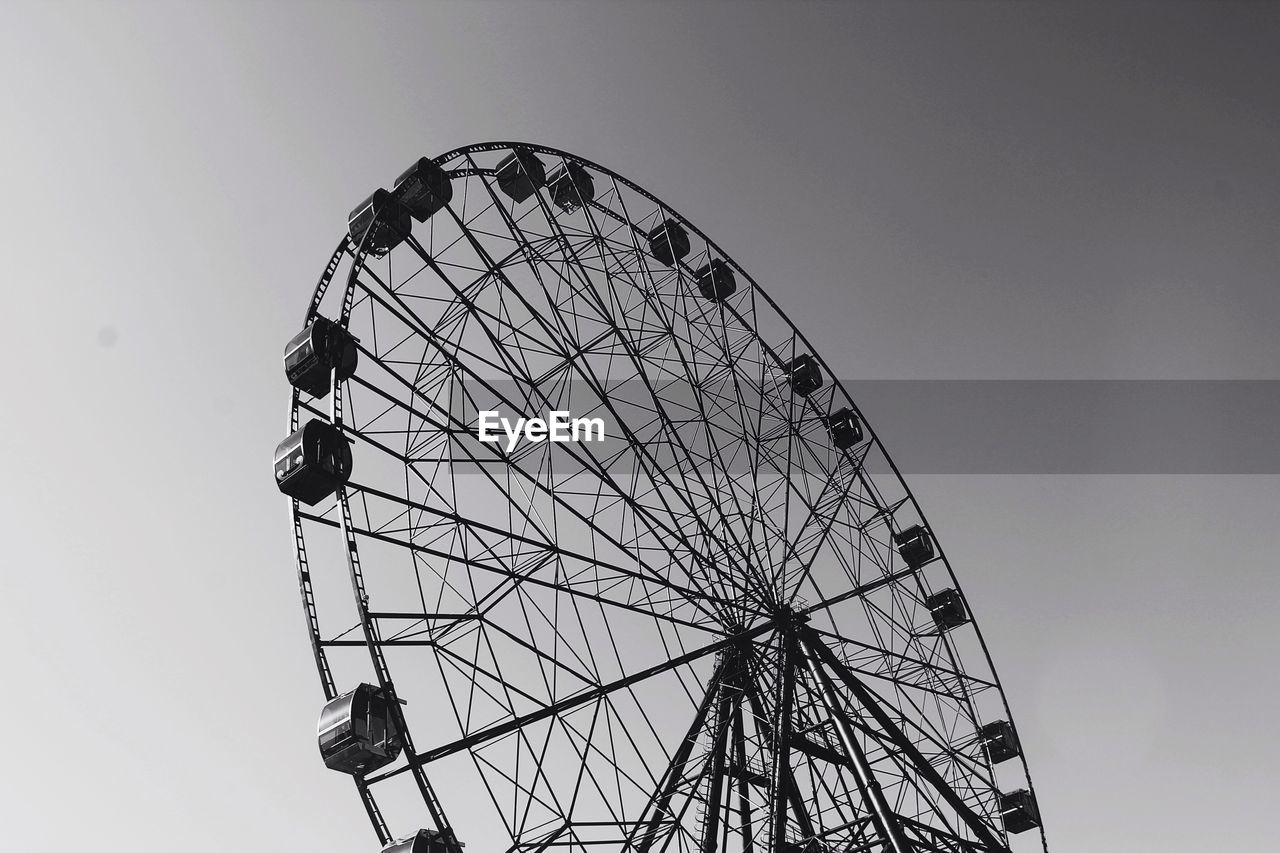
424,841
1018,811
520,174
424,189
669,242
845,429
571,187
804,375
999,741
947,609
384,220
358,732
715,281
312,355
915,545
313,462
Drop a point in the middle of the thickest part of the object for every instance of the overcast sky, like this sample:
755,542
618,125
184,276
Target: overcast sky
931,191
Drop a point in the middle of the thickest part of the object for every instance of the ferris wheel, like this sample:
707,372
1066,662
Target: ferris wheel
718,622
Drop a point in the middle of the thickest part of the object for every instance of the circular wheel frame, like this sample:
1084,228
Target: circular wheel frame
697,634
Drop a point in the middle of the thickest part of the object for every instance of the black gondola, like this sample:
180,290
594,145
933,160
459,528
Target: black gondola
424,188
845,428
383,218
948,609
571,186
312,354
358,732
669,242
716,281
313,462
999,741
520,174
915,546
424,841
804,375
1019,811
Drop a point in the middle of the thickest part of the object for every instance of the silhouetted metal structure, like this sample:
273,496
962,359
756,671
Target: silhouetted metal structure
728,629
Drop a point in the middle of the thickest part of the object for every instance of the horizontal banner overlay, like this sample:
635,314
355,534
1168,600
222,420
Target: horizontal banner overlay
1076,426
926,426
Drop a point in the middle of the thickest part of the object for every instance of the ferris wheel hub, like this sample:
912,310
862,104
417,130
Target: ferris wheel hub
787,617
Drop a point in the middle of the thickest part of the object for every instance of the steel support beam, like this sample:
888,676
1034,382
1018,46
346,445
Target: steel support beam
895,734
660,803
886,821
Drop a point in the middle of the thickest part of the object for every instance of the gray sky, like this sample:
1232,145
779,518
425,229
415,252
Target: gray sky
977,191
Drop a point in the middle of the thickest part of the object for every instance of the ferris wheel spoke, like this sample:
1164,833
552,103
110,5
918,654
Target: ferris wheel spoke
588,680
715,484
471,669
686,594
525,739
845,526
585,771
565,336
651,576
495,731
600,243
614,319
634,260
819,525
423,330
396,307
455,426
635,231
890,664
639,258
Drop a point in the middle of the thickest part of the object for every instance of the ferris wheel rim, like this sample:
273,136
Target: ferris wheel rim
358,252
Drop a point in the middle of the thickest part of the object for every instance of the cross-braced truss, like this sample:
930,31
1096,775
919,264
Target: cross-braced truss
695,635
